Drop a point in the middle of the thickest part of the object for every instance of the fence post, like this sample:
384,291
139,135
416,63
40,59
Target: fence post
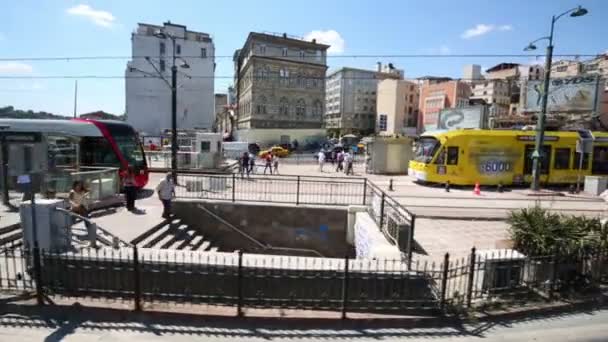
553,274
471,277
411,242
444,280
239,308
233,187
136,280
364,190
38,275
298,191
345,288
382,211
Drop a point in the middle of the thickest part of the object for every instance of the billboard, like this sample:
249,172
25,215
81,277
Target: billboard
465,117
565,94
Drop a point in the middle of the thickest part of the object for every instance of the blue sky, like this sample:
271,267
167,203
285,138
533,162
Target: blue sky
45,28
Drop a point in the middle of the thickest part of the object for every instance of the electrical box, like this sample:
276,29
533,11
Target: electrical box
53,228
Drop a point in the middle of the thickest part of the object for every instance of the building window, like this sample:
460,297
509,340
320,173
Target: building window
561,69
317,108
262,49
261,108
411,88
411,98
284,106
162,65
178,49
382,122
302,54
319,55
284,52
162,48
300,108
203,53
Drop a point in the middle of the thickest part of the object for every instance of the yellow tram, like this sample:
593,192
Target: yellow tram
467,156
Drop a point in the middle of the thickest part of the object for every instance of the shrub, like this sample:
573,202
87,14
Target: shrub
536,231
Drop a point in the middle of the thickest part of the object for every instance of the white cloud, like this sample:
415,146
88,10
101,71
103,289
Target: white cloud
15,68
98,17
444,50
481,29
329,37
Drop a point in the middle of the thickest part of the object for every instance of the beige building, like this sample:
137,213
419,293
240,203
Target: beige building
495,93
280,88
397,107
350,99
565,68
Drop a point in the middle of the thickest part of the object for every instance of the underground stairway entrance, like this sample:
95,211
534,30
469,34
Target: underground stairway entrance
264,228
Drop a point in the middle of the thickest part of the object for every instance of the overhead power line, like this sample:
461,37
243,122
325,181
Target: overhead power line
291,78
394,56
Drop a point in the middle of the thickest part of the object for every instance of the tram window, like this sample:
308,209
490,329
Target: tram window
97,151
545,155
453,155
562,159
599,166
440,157
577,160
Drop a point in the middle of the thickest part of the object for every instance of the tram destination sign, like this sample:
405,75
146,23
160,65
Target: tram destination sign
565,94
22,137
533,138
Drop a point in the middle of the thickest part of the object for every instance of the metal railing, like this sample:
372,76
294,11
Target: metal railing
395,221
95,233
152,276
101,182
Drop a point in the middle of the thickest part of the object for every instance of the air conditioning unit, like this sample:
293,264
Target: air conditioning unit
400,230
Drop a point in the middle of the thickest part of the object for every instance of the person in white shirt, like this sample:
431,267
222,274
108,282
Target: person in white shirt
321,160
348,160
166,191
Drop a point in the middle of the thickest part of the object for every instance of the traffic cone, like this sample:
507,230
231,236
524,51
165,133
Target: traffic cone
477,191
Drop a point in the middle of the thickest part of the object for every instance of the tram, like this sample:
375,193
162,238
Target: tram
79,142
492,157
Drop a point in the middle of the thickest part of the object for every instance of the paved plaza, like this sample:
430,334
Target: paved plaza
447,222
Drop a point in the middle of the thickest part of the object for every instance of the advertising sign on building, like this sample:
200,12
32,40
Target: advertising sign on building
565,94
466,117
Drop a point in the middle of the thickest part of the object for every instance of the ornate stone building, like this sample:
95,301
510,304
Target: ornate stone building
280,83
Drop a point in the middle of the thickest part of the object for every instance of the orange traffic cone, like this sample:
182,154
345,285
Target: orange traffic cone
477,191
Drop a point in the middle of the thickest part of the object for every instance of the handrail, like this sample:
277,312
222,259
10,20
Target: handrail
254,240
88,220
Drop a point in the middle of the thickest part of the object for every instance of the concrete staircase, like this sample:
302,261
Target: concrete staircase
11,236
174,234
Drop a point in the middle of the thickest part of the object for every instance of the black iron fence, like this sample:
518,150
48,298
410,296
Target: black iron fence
396,222
150,276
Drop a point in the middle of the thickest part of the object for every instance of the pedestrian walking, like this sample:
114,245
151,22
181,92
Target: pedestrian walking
251,163
275,163
130,188
348,159
340,163
268,162
333,157
321,157
166,191
244,165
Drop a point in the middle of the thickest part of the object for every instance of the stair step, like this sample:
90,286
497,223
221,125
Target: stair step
190,239
201,245
195,242
165,233
179,234
11,238
149,232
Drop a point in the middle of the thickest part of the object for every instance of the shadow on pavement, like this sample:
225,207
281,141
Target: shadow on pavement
66,319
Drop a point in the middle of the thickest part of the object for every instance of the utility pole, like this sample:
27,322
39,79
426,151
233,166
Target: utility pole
174,117
540,124
75,97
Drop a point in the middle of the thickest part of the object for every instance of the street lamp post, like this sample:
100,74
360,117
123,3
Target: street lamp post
540,124
174,147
